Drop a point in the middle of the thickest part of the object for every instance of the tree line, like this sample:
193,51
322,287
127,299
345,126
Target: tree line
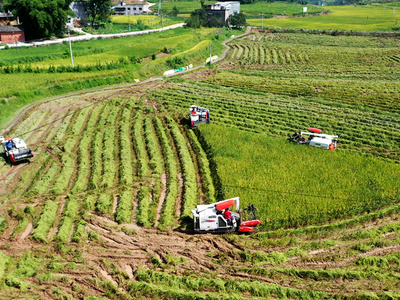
43,18
200,18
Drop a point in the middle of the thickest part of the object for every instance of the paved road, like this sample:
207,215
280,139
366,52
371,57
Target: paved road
88,36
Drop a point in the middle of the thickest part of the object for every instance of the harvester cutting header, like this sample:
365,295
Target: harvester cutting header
15,149
217,217
199,115
315,139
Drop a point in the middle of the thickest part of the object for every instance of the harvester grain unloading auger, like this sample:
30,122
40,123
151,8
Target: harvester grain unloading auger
199,115
210,217
15,149
315,139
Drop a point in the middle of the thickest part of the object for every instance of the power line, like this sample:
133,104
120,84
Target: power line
47,124
288,192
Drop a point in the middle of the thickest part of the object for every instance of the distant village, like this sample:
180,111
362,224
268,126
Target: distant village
12,32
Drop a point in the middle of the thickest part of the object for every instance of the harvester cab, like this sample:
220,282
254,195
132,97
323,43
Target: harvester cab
15,149
315,139
199,115
211,217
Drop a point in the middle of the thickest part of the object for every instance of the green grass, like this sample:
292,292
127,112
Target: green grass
152,21
293,184
350,18
47,219
120,55
184,7
277,8
4,259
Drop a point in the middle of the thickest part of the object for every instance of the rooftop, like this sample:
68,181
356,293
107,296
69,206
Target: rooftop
10,29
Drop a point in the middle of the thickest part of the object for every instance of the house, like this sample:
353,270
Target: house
132,7
11,34
222,10
79,8
7,19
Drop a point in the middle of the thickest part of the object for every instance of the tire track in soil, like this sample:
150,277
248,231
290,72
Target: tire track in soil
12,223
13,169
161,199
178,203
26,232
54,228
135,250
115,204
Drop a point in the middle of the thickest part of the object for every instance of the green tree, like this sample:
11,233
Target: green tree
174,12
99,10
197,19
237,20
41,18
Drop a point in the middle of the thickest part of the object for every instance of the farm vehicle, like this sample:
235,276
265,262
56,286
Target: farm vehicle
199,115
15,149
214,217
315,139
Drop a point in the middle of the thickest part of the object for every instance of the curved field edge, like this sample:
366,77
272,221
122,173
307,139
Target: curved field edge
46,71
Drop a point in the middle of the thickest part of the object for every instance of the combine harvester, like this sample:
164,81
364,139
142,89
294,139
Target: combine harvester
211,217
15,149
199,115
315,139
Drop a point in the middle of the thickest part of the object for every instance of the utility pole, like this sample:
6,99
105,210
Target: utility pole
129,13
16,41
262,21
210,52
159,7
70,49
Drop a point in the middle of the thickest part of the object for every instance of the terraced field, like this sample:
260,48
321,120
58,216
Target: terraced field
103,209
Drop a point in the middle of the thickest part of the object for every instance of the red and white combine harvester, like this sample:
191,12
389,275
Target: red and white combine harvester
15,149
199,115
315,139
217,217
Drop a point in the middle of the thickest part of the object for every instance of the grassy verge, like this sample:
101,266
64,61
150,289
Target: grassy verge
37,73
351,18
257,168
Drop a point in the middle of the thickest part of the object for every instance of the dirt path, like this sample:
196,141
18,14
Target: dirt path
20,115
88,36
161,199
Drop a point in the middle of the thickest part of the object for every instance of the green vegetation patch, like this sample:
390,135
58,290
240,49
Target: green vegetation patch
350,18
25,267
47,219
295,184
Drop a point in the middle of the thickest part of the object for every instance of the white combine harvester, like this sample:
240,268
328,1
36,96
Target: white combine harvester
15,149
199,115
315,139
210,217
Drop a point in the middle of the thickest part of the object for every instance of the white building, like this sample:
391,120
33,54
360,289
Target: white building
79,8
132,7
222,10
